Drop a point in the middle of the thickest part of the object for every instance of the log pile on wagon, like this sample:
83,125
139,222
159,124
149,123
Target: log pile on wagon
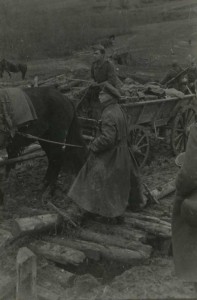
131,89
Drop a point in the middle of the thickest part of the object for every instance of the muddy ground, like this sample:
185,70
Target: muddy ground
153,280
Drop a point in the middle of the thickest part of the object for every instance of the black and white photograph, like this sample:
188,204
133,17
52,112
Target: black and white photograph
98,149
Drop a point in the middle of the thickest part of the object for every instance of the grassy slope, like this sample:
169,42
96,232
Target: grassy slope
48,28
153,26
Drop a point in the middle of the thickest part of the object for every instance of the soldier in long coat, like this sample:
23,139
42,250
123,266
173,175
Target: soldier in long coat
184,233
104,183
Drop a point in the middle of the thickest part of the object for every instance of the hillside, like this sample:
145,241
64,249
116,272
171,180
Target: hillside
48,28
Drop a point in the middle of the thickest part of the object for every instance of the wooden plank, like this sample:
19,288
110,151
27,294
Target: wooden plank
22,226
118,230
30,211
165,190
58,253
40,223
96,251
23,158
26,266
148,218
111,240
155,229
158,212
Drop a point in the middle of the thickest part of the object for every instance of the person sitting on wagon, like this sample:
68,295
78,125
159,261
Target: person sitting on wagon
102,70
172,73
110,176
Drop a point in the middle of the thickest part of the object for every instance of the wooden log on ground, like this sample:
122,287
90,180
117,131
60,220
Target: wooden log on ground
26,266
30,211
118,230
22,158
154,211
34,224
110,240
41,223
31,149
158,230
96,251
158,212
58,253
163,191
152,219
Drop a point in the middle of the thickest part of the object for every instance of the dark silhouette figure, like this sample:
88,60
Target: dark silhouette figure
12,68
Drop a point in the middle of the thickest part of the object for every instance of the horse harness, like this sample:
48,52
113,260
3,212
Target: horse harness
36,138
32,137
9,128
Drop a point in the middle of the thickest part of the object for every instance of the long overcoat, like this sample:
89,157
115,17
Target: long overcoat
104,183
184,235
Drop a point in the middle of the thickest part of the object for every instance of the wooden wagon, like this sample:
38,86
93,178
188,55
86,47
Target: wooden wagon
149,118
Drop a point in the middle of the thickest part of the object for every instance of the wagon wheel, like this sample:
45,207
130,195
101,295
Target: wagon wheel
180,129
139,144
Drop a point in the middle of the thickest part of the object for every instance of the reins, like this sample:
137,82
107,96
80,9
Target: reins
32,137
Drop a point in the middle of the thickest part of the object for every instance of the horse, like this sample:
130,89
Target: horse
57,122
13,68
